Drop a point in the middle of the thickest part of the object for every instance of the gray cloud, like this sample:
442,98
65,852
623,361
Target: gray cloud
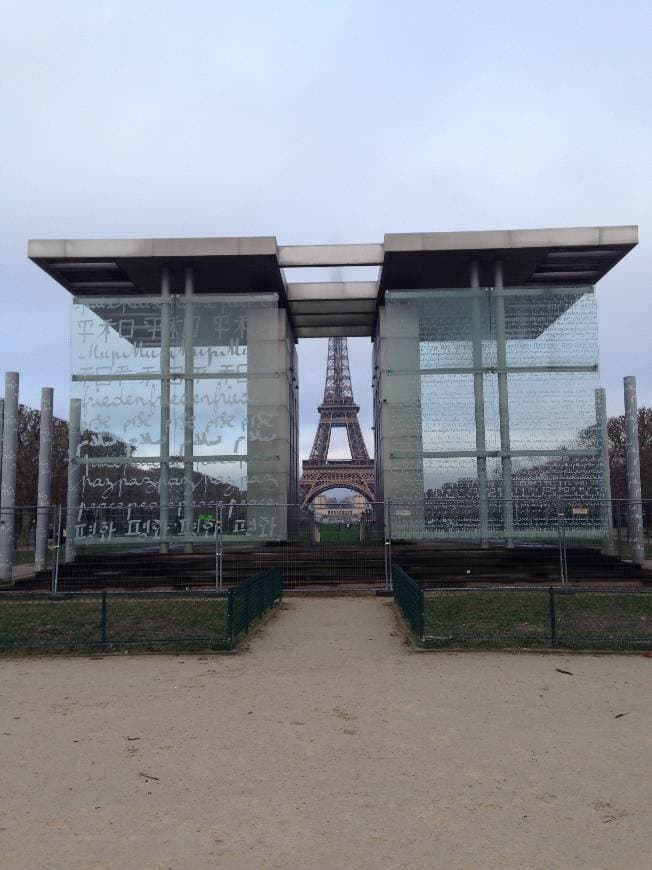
319,122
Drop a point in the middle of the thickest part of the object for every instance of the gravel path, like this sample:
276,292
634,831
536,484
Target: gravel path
328,744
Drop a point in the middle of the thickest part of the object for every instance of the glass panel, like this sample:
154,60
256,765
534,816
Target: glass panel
491,411
218,482
116,337
551,478
448,412
451,478
119,418
549,410
103,484
551,330
445,333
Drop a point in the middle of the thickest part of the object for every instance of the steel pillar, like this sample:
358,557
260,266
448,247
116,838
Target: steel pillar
72,504
8,489
44,479
603,443
188,416
503,404
164,488
635,506
478,392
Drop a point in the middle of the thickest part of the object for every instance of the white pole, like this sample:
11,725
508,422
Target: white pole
635,505
44,479
8,489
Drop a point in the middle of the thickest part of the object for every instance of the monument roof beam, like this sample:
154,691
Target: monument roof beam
575,256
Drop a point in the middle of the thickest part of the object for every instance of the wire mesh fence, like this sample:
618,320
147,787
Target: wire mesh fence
349,544
34,534
109,621
596,618
251,599
551,540
114,620
219,546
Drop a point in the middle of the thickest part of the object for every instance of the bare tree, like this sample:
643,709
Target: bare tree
618,453
29,421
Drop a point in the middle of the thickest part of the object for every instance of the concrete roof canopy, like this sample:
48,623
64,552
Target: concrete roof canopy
536,257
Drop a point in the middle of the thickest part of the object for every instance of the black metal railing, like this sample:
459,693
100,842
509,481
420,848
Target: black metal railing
250,599
112,620
409,596
572,618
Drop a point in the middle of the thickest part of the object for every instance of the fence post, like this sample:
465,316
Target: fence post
553,616
220,548
560,536
387,537
422,613
56,552
104,626
229,617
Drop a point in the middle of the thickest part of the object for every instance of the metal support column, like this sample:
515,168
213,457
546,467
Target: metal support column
606,515
8,490
478,391
503,404
44,479
72,505
635,506
188,417
164,493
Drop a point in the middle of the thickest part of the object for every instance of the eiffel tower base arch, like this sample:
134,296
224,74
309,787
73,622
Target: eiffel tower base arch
337,410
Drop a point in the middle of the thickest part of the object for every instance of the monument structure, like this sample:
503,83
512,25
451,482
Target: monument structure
485,347
338,410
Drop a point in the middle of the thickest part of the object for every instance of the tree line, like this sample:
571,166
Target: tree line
28,450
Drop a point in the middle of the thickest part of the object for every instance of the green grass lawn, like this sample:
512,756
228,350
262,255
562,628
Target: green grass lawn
26,557
583,619
179,622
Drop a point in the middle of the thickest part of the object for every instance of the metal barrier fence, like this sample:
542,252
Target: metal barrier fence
251,598
85,621
554,541
221,546
114,620
409,596
573,618
34,532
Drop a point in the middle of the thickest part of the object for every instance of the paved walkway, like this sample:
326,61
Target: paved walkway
328,744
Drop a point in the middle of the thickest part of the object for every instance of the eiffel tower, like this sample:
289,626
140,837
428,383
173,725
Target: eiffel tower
337,410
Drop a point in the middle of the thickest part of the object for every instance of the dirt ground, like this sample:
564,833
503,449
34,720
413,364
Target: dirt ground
327,744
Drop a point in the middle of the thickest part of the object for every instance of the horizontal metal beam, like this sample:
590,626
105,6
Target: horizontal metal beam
345,318
195,376
156,460
344,306
333,331
294,256
488,370
331,290
483,292
237,297
472,454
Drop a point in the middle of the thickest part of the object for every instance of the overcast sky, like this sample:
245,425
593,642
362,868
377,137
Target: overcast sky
319,122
